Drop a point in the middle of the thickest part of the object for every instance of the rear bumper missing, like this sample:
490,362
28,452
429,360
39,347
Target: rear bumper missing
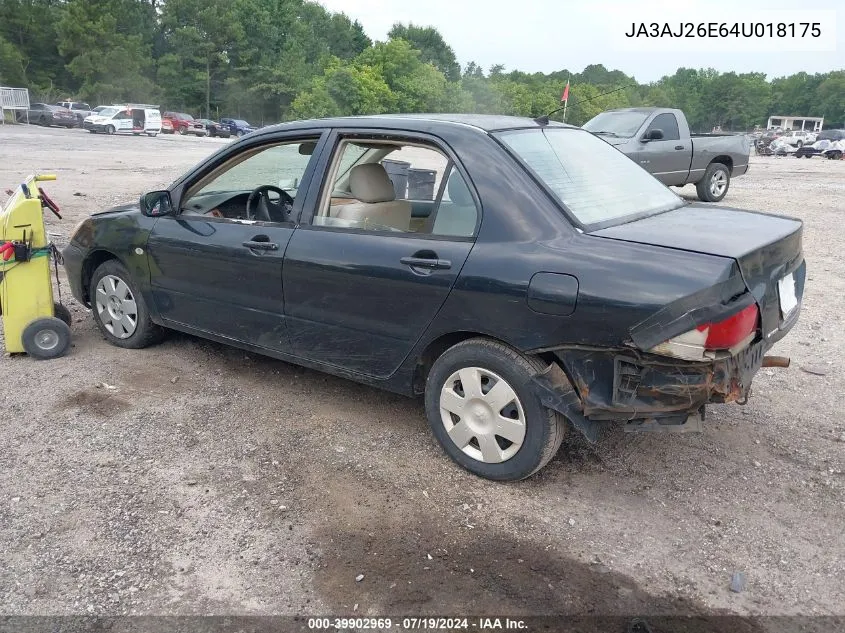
644,390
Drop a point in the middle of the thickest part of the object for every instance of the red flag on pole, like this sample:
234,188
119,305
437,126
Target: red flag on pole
565,96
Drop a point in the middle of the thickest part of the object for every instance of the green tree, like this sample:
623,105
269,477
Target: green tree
30,56
431,45
107,44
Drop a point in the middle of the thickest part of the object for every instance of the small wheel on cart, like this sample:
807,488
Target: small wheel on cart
46,338
61,312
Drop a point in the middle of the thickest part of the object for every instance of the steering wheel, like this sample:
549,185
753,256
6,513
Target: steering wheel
266,209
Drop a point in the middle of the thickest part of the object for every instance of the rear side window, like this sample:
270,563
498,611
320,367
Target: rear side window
594,181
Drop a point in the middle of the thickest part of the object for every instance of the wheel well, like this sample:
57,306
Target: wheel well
439,345
727,161
90,264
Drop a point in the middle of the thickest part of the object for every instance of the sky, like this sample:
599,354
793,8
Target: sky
549,35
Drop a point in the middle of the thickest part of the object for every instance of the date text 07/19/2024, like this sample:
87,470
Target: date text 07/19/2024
418,624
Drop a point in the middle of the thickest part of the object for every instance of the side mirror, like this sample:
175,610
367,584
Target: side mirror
156,204
653,135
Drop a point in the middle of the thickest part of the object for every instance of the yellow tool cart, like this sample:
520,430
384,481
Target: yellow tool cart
32,322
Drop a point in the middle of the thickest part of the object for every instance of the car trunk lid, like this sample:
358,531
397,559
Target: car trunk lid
767,249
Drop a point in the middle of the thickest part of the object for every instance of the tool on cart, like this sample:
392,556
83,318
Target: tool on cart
32,322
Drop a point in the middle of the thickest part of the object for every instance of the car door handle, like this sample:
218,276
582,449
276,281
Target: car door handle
679,147
261,244
427,262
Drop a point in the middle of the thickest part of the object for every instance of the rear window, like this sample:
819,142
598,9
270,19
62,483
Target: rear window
594,181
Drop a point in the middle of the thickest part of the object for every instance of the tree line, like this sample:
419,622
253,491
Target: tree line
274,60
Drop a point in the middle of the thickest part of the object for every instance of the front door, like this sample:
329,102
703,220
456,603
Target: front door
667,159
365,277
216,265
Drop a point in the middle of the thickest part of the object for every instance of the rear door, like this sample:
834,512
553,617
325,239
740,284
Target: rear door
668,159
213,268
364,278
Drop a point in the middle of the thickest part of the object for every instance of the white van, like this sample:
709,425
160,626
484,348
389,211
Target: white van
134,118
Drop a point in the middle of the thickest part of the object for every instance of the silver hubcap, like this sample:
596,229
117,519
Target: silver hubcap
47,339
718,183
116,306
482,415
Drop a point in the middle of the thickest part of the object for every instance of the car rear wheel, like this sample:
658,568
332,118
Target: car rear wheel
714,185
483,410
183,130
119,309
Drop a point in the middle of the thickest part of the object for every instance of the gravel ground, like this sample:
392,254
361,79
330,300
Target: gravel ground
192,478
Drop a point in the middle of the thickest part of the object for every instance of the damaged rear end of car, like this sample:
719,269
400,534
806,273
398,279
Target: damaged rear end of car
702,348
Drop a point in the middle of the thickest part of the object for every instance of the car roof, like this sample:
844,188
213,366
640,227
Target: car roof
420,122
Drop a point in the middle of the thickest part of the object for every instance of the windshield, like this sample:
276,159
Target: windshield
108,111
593,180
240,122
621,124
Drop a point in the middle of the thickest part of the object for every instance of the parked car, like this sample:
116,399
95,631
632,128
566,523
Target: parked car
659,140
522,293
238,127
823,142
79,109
798,138
215,129
136,119
835,150
185,123
46,114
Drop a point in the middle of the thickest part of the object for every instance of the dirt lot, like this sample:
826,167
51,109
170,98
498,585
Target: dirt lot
208,480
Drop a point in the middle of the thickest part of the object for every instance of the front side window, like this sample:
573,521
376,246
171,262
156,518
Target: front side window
593,180
666,123
259,184
396,186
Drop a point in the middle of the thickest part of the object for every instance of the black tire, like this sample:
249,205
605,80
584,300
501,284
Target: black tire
183,131
146,332
544,428
152,134
110,130
61,312
705,187
46,338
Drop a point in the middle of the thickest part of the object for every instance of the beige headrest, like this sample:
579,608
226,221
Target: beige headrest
370,183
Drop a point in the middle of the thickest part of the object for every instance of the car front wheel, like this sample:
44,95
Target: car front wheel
483,410
119,309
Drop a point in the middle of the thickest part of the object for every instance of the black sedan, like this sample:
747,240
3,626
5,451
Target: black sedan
523,276
46,114
215,129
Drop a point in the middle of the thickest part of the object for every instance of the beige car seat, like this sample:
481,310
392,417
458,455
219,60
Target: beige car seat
377,203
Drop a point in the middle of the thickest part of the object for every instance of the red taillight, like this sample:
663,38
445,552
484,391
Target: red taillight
731,334
732,331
